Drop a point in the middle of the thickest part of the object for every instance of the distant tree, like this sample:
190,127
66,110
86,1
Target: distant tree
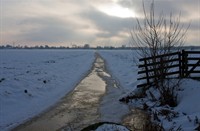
46,47
123,46
86,46
8,46
41,47
2,47
74,46
99,47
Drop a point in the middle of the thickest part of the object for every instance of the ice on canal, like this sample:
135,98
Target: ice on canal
78,109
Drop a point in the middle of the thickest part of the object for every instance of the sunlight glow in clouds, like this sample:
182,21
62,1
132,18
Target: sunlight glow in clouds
117,11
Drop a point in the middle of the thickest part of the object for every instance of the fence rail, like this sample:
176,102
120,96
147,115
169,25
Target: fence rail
177,64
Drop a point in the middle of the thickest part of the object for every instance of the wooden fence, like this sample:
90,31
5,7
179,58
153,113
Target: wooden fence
174,65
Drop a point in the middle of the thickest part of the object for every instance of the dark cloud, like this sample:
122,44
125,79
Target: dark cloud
49,29
45,29
126,3
186,7
194,25
108,25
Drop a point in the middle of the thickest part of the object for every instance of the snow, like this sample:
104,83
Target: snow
188,108
189,104
123,66
46,76
123,69
111,127
187,111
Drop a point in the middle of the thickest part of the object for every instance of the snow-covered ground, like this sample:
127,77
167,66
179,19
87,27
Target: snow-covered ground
111,127
123,66
33,80
120,63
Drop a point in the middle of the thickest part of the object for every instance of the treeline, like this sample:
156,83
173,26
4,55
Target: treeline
31,47
86,46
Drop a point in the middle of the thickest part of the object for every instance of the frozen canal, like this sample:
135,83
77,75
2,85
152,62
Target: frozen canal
78,109
94,99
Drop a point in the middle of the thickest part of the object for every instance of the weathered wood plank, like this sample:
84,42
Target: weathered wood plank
158,56
154,76
193,58
156,63
151,70
193,52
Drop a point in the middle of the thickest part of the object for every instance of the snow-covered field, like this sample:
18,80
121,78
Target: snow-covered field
33,80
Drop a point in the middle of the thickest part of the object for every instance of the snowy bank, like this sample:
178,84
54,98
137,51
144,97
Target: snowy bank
185,116
33,80
122,65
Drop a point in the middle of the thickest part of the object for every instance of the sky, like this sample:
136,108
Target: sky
79,22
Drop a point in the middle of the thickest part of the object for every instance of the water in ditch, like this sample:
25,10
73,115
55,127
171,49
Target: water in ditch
95,99
75,111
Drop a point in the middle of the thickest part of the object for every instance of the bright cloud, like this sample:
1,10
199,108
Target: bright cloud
117,10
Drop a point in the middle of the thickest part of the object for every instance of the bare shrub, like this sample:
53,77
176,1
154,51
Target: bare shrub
158,35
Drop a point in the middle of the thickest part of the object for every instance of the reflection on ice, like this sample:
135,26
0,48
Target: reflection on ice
78,109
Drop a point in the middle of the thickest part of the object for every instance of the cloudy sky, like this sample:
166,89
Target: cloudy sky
97,22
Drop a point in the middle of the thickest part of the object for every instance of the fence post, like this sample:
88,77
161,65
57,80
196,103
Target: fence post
162,67
147,74
180,64
184,63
